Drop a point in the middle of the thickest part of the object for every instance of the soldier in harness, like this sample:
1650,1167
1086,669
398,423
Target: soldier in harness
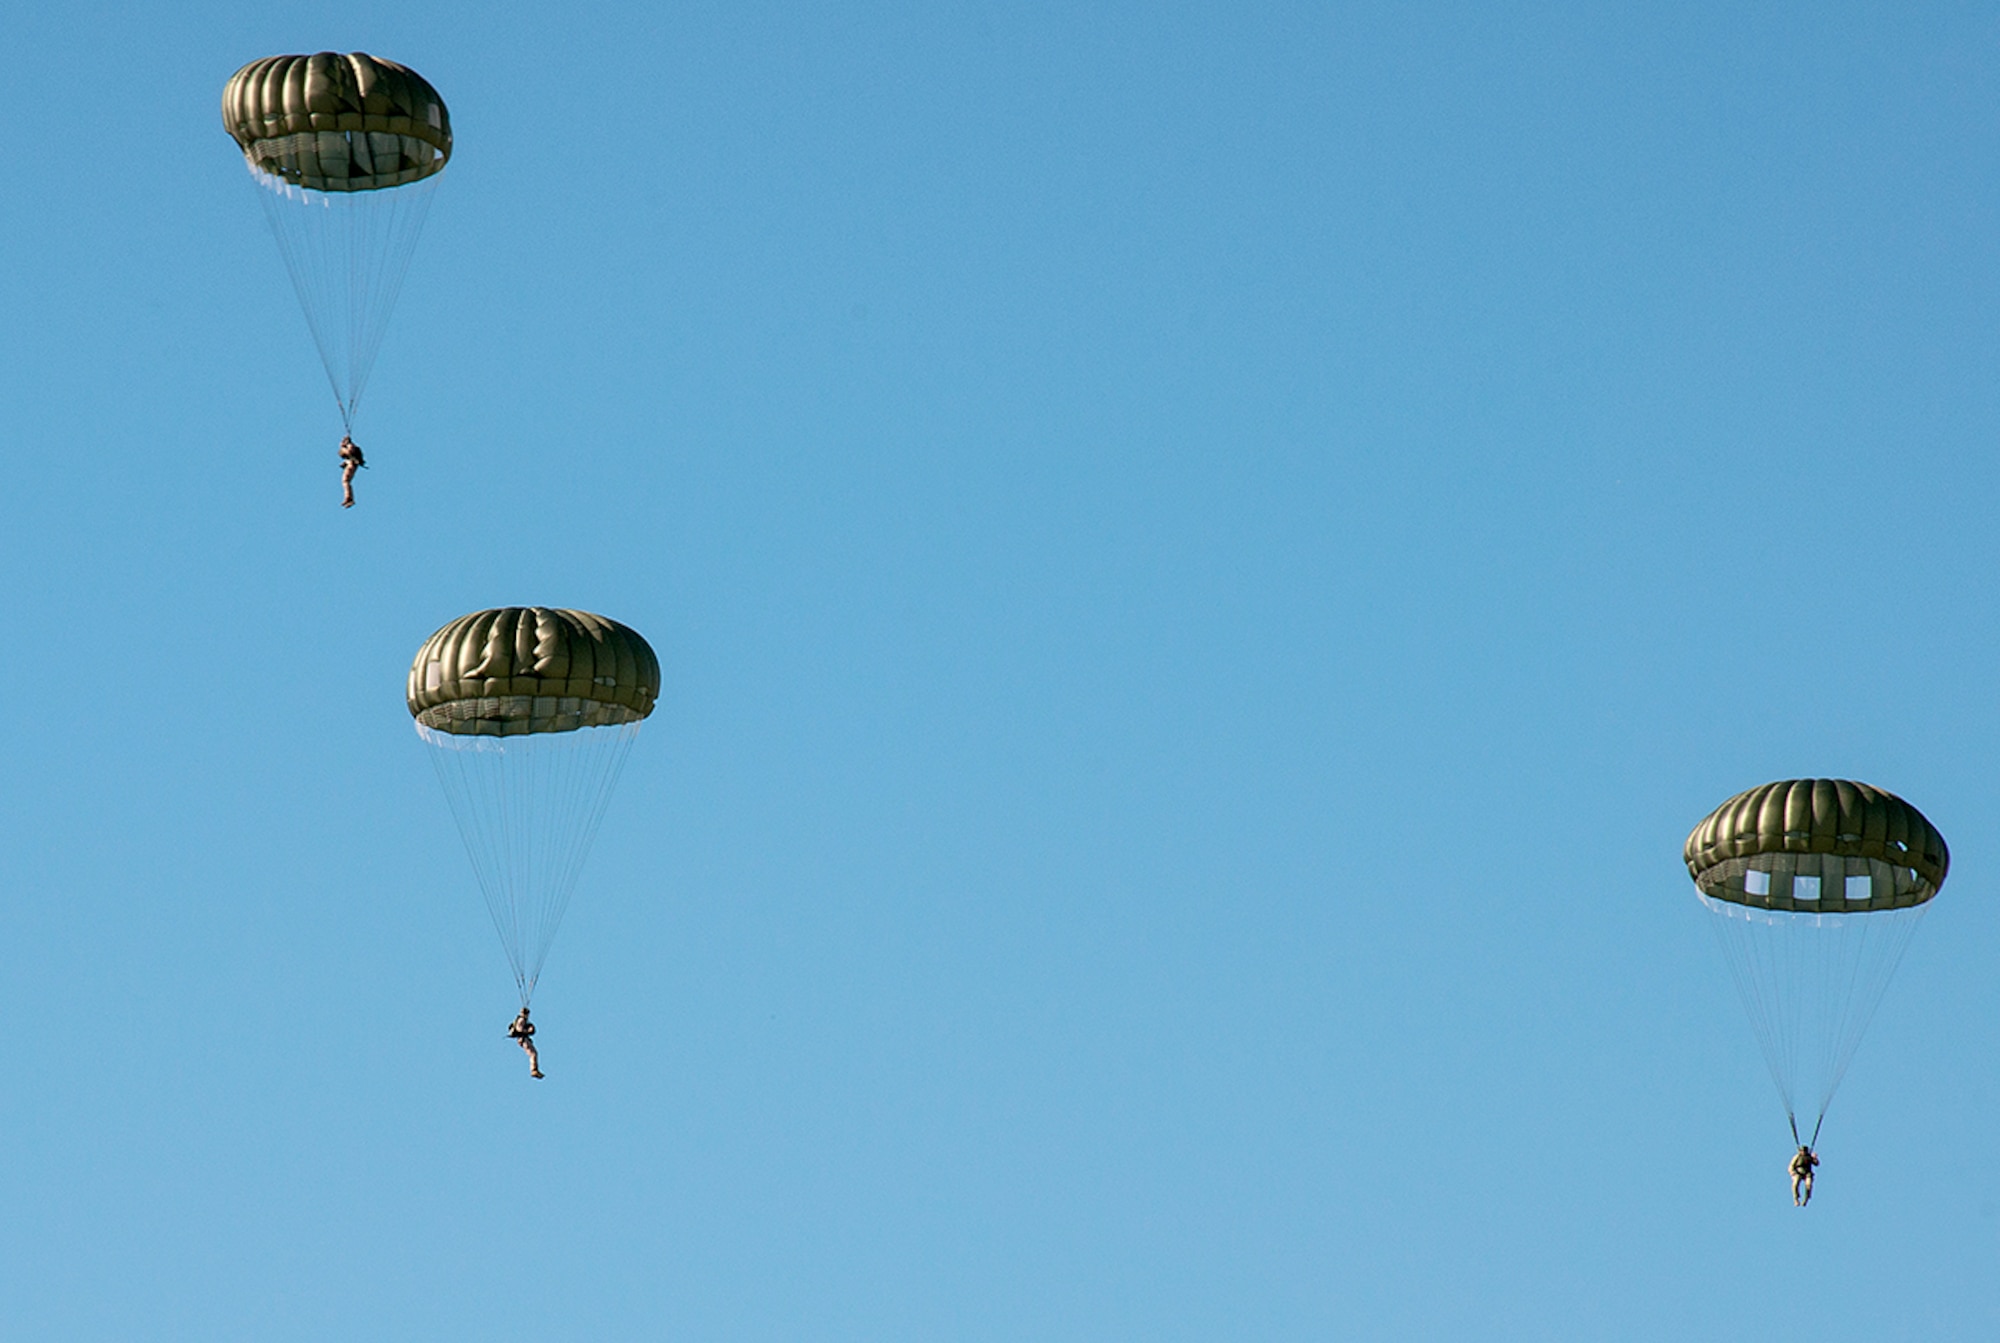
523,1030
351,461
1802,1165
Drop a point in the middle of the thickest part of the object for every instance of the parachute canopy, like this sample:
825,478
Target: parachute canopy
525,669
1816,887
1856,848
334,122
529,713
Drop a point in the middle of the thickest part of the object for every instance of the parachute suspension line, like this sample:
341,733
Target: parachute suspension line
1810,983
479,808
588,776
528,808
1813,1143
1888,937
347,253
1756,985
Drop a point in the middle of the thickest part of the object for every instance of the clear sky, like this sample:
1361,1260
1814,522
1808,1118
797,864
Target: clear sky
1206,559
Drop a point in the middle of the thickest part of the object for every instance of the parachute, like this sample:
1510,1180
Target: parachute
1815,887
346,149
528,714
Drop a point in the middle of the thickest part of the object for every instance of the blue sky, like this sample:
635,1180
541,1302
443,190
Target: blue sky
1205,562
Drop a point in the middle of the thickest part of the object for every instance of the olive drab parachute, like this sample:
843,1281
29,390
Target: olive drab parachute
1816,887
346,149
529,713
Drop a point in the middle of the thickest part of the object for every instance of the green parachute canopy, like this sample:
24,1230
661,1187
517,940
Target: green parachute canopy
525,669
1878,850
336,122
528,713
1816,887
